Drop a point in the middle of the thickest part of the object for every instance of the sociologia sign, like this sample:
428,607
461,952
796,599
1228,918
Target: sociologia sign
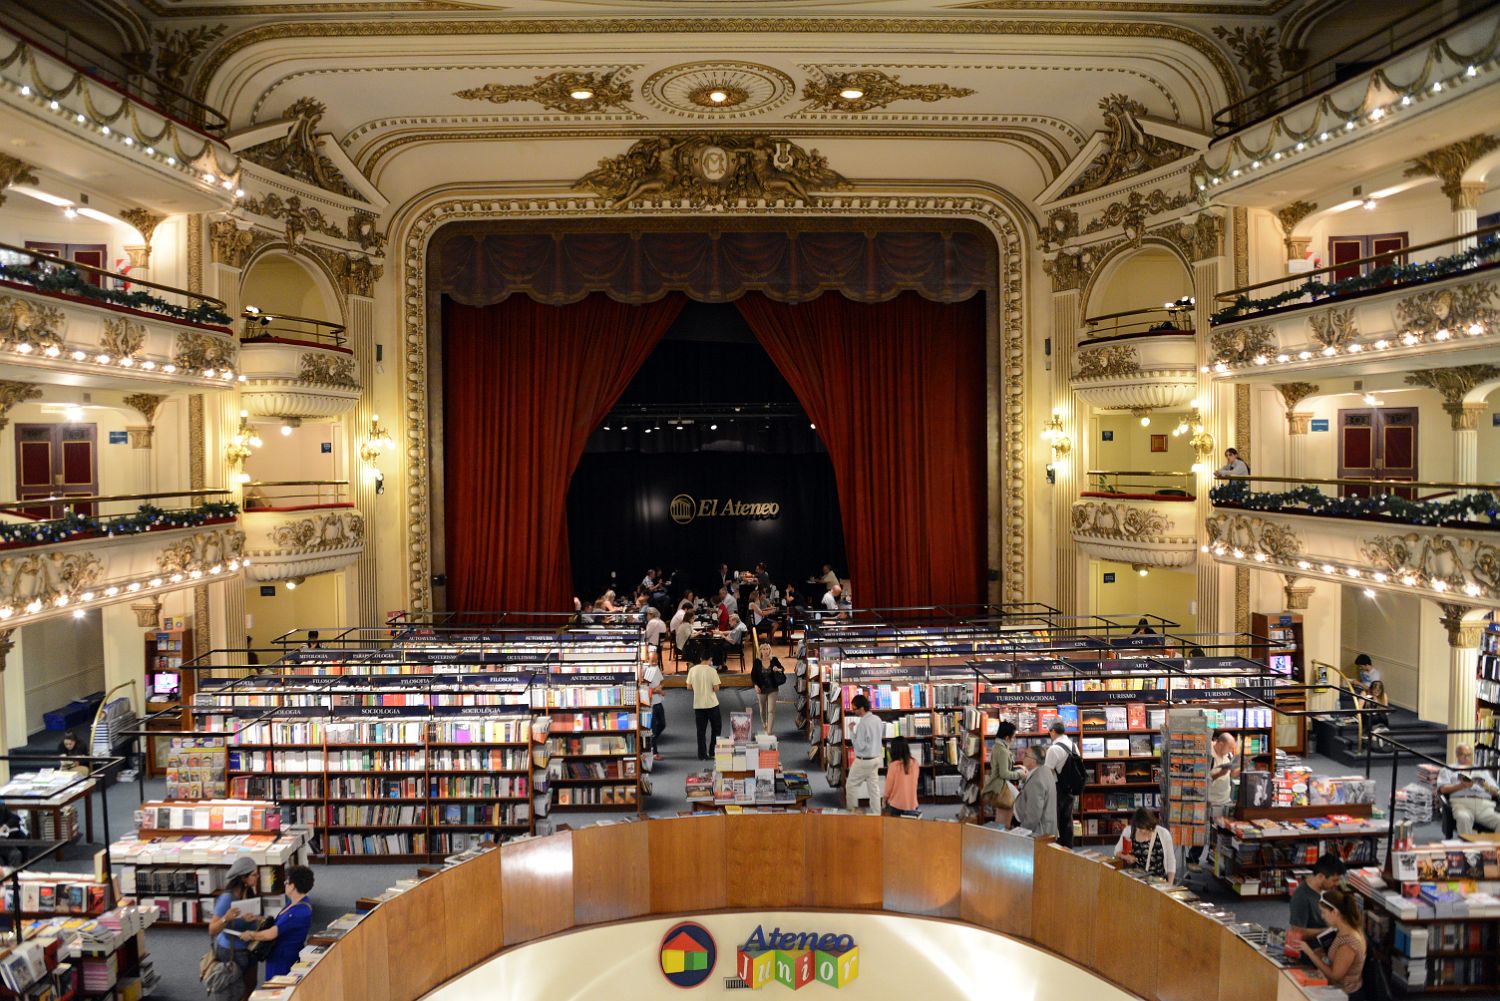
796,959
687,954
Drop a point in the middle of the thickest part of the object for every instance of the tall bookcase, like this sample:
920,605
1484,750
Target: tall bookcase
166,650
1487,695
1285,629
928,713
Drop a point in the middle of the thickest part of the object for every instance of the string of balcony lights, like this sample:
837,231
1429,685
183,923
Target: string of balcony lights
1410,95
104,595
1407,339
105,360
146,148
1343,571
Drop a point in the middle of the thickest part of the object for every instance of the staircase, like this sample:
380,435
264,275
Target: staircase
1345,748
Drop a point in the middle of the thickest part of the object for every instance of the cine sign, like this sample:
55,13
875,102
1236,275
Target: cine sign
684,510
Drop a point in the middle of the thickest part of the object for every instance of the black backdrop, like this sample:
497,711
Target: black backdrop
618,518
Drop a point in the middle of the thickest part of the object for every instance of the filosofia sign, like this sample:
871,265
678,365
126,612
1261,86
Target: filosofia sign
684,509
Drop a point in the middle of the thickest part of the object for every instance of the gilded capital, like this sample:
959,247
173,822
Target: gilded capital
144,221
1448,163
14,171
1298,423
1296,597
1462,633
1465,416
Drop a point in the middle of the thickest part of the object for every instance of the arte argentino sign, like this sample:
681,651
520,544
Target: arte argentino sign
684,509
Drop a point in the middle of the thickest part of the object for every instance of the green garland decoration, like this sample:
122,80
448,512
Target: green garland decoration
68,281
144,519
1386,274
1478,507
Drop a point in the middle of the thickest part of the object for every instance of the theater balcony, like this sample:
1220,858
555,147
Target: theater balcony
1426,306
297,528
1430,540
64,555
1140,359
73,108
70,323
1145,519
1430,72
296,367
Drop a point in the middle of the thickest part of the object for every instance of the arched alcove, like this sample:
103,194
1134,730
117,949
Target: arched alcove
281,284
1138,279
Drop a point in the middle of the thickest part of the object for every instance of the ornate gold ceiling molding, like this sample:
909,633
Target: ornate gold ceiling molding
557,91
1129,149
1448,164
870,89
158,9
712,170
990,210
14,171
688,89
833,26
1268,9
1255,50
297,155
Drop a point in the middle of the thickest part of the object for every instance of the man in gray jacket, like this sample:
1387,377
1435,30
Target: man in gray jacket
1036,806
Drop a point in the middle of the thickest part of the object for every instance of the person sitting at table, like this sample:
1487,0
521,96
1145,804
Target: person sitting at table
735,635
1147,846
831,600
1142,628
587,615
684,611
722,611
1471,793
655,630
792,610
760,613
606,602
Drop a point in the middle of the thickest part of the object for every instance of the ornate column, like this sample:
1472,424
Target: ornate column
363,596
1071,585
1297,426
1448,164
1289,216
1295,598
1205,241
142,438
1465,626
7,646
1455,384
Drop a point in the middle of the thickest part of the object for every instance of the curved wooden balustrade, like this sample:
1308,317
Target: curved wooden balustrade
1075,907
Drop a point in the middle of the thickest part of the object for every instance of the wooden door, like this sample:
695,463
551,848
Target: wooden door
56,460
1377,443
95,255
1342,249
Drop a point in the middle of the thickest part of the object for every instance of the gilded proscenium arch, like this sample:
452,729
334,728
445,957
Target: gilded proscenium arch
219,56
419,220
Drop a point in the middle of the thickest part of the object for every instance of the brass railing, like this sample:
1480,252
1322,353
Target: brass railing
263,326
1484,249
282,494
1145,481
1422,502
1170,318
1410,29
110,282
61,506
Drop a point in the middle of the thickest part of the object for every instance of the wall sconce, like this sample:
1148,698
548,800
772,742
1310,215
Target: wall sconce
1054,435
379,443
1201,441
241,446
1141,569
1144,415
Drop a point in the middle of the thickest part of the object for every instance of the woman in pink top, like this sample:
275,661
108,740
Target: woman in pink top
901,781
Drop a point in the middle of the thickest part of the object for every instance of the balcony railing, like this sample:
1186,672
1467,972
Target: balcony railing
58,518
262,327
1139,484
1409,30
1170,318
1404,502
57,276
129,79
295,495
1404,268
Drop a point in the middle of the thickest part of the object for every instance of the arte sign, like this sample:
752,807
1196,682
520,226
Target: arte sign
687,954
684,509
796,959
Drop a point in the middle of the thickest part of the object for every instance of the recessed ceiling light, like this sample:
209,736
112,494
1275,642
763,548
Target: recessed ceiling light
581,94
718,96
851,93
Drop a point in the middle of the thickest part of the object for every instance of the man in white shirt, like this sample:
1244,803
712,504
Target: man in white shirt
831,598
653,678
655,630
1471,793
703,682
1057,757
1233,464
869,745
737,631
828,578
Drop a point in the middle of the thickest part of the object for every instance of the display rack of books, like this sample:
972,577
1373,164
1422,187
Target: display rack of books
595,739
1286,658
176,860
1267,856
196,768
46,800
46,894
1433,916
924,705
1184,775
747,776
167,686
70,957
1487,697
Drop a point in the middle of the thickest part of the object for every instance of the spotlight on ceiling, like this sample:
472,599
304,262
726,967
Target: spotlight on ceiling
851,93
1140,568
718,96
581,94
293,582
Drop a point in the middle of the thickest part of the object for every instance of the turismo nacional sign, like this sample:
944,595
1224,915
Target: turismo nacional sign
684,509
795,959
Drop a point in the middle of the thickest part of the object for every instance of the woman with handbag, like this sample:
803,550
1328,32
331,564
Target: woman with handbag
283,939
228,973
999,792
1146,845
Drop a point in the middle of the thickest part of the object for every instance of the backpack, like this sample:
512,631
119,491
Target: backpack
1072,777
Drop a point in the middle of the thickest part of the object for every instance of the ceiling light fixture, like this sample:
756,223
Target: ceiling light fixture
718,96
581,94
851,93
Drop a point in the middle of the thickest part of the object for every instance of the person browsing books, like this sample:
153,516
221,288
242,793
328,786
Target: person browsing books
703,680
652,676
293,922
1305,919
999,792
241,882
1344,963
1036,803
1223,752
901,781
864,770
1145,845
1471,793
1058,754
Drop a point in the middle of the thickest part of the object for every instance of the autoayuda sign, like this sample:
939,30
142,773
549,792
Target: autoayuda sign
796,958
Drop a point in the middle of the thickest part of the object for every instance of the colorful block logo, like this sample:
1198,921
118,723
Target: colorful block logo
796,959
687,954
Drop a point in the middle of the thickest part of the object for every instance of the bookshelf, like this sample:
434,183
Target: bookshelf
1265,857
167,686
927,711
1286,628
1487,695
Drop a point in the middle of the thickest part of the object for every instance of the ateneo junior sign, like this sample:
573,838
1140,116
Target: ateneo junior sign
795,959
684,509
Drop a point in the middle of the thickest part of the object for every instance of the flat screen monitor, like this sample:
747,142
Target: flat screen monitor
166,684
1281,663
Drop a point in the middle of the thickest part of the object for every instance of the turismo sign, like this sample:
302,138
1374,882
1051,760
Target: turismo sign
795,959
684,509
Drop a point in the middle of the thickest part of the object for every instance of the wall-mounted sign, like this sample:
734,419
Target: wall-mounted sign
795,959
1107,435
684,509
1320,424
268,590
325,447
687,954
1109,578
119,437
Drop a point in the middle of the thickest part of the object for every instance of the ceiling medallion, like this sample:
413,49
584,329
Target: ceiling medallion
574,92
712,170
867,90
718,89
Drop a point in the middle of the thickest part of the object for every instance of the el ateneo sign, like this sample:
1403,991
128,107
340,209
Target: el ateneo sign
684,509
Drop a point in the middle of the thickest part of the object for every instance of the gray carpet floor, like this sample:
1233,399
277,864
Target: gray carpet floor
176,951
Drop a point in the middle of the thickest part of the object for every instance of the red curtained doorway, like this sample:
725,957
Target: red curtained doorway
897,390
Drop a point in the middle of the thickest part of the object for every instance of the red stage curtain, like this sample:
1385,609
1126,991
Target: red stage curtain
897,390
524,386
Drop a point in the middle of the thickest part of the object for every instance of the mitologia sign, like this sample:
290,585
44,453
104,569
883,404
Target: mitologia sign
684,509
795,959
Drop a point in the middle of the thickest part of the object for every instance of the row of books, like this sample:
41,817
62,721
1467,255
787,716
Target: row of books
207,849
618,722
455,786
1136,745
210,815
917,696
596,795
193,880
305,733
55,893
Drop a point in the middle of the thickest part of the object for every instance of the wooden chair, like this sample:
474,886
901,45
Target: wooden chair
738,653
